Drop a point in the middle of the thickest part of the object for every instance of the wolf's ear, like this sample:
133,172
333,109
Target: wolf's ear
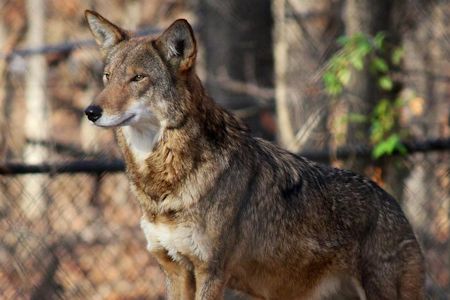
177,45
106,34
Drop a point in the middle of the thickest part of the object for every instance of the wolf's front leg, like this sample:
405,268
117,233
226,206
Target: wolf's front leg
180,286
210,285
180,281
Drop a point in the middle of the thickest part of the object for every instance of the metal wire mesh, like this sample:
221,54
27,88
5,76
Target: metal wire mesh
76,236
86,245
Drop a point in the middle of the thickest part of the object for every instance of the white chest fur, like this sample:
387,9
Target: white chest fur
140,141
178,241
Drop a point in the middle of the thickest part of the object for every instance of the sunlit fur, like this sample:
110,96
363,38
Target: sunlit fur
224,209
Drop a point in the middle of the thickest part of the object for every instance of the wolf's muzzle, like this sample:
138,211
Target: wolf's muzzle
93,112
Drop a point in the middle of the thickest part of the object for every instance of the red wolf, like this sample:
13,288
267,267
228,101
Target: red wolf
224,209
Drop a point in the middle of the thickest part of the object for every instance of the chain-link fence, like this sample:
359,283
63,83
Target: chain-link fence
85,244
69,222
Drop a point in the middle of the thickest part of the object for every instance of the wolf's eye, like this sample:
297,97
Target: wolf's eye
138,77
105,76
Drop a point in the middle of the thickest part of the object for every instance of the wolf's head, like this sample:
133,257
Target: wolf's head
144,79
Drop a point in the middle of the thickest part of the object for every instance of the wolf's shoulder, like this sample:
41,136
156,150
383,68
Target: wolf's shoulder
328,178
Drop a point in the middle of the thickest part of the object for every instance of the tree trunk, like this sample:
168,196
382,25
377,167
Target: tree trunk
305,34
237,41
36,117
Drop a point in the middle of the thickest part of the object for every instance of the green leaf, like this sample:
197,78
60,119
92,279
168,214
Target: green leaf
377,132
379,150
378,40
338,62
358,38
357,118
363,48
379,64
382,107
334,90
329,78
397,55
344,76
333,85
388,146
385,82
357,62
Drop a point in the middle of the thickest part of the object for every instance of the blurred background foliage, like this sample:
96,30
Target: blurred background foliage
359,84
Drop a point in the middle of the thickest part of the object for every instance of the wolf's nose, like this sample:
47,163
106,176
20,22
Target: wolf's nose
93,112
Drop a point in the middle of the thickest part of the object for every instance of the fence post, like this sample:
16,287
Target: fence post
33,200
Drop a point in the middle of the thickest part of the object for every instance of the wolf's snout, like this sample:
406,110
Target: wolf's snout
93,112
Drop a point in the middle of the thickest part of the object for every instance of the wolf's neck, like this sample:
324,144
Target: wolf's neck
140,141
157,161
160,162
